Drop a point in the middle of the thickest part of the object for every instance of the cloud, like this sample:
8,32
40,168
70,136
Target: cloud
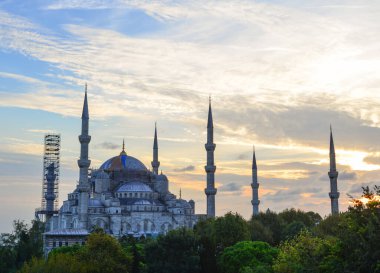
270,68
372,159
243,156
185,169
108,146
230,187
345,175
357,189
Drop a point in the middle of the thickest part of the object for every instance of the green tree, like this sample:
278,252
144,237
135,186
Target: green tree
230,229
103,253
247,256
177,251
272,222
357,231
259,232
136,249
307,253
205,231
21,245
308,219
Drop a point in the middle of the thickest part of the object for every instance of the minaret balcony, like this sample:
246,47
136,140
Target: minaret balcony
84,163
333,174
255,202
84,139
255,185
210,147
210,168
334,195
210,191
155,164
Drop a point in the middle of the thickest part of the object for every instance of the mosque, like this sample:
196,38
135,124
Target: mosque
124,197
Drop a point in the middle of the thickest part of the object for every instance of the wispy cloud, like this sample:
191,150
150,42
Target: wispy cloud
279,74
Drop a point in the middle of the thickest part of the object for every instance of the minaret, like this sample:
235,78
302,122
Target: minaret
84,163
333,175
155,162
210,167
255,186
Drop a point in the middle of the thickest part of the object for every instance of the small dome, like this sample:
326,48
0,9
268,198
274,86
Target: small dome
102,175
134,187
161,177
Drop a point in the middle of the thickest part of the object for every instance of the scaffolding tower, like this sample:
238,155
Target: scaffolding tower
50,177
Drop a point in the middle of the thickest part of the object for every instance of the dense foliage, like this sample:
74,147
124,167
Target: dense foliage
21,245
289,241
102,253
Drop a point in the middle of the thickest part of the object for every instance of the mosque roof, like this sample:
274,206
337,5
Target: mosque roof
123,162
139,201
134,186
92,202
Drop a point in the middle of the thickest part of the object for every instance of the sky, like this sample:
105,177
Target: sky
279,72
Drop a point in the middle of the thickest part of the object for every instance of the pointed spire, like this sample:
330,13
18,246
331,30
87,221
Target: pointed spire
123,149
332,152
254,165
209,120
332,148
155,144
155,162
85,114
180,193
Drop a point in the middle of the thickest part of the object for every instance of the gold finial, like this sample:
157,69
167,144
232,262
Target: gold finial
85,87
180,193
123,151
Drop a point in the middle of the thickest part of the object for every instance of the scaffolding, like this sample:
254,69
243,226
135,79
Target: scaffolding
50,177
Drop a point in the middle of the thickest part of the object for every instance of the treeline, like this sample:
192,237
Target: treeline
289,241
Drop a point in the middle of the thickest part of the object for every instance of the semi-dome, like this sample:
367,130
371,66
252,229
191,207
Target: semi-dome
134,187
102,175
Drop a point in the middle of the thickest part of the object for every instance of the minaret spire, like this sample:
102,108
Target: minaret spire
84,164
255,185
333,175
210,168
155,162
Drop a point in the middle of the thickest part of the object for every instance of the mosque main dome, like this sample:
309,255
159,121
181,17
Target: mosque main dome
123,162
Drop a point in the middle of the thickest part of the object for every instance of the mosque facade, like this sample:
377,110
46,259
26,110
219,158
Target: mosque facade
123,197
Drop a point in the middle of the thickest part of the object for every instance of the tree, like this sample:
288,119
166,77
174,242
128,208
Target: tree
308,219
272,222
102,253
307,253
205,231
177,251
259,232
230,229
136,249
21,245
247,256
357,231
